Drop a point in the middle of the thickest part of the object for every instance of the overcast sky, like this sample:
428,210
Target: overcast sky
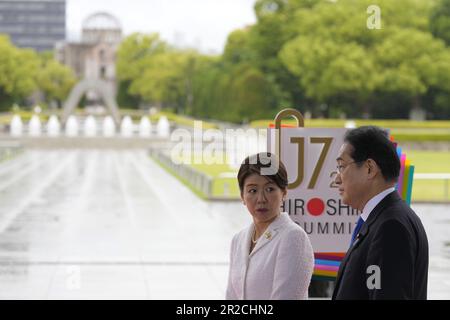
204,24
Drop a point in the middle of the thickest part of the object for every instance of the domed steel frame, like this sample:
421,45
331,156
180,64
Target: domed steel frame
101,21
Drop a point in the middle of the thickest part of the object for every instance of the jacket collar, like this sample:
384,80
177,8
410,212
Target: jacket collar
390,198
271,232
372,203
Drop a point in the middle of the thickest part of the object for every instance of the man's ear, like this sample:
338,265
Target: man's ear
372,168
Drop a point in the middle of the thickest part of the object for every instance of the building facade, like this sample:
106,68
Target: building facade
94,57
36,24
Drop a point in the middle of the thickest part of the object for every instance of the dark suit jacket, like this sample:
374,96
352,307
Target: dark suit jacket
393,239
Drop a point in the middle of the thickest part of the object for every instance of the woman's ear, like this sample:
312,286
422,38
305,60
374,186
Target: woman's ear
242,198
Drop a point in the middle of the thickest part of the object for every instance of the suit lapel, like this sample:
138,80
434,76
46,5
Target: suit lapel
387,201
244,256
266,237
245,248
271,232
390,198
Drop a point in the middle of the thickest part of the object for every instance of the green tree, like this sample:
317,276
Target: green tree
300,53
54,79
124,98
411,62
340,59
206,87
266,38
238,48
251,95
166,79
132,58
134,51
440,21
18,68
327,70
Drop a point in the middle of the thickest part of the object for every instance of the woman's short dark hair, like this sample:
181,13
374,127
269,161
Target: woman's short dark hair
370,142
254,163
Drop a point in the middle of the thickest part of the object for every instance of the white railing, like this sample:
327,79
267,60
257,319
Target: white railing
436,176
198,180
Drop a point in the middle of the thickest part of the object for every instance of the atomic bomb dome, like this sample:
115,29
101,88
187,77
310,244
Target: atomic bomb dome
94,57
101,27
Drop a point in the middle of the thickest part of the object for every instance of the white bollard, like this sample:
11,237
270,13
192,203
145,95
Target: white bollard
126,127
16,126
145,128
71,127
90,127
34,126
108,127
163,127
53,126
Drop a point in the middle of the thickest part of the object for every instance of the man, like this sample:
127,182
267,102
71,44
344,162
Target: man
388,255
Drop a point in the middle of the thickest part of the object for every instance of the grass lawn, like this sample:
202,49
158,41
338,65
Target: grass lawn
224,179
340,123
24,115
429,162
182,120
402,130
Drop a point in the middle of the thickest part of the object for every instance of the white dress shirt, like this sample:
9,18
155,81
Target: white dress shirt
279,267
372,203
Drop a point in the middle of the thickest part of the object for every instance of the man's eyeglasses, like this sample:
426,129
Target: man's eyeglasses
341,168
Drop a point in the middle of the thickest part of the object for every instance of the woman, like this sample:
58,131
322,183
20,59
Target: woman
273,257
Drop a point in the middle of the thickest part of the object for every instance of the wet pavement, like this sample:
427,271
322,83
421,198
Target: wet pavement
105,224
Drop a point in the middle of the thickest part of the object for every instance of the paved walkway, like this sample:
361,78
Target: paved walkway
108,224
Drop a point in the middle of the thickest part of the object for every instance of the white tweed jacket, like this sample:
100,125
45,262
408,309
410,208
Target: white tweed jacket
279,267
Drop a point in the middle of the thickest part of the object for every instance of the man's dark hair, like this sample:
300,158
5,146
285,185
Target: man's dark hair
254,164
370,142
